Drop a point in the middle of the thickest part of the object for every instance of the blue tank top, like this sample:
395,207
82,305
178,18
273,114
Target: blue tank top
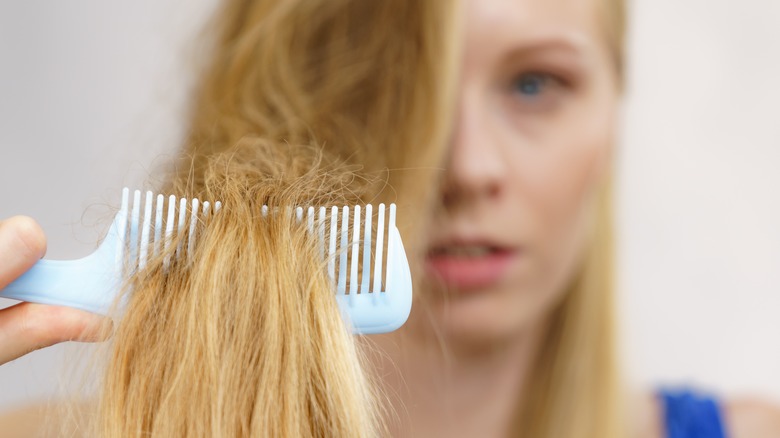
688,414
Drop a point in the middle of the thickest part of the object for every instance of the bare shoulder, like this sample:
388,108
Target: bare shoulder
45,420
752,418
744,417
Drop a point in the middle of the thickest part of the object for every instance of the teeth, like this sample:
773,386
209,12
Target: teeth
466,251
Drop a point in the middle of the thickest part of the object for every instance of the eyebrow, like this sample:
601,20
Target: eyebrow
574,49
568,42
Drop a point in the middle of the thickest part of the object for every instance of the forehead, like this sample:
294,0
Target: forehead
492,25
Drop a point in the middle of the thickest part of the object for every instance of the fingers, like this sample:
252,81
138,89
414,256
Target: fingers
22,243
27,327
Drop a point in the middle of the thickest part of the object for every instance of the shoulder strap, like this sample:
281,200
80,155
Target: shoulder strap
691,415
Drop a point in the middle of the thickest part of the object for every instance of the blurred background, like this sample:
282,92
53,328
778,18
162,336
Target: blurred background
92,99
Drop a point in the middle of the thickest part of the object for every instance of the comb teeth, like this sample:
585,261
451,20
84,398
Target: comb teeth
146,224
355,262
361,267
355,250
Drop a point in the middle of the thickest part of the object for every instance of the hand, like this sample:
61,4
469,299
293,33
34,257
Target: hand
27,327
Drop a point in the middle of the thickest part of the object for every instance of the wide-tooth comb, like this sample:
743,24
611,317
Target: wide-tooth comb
372,278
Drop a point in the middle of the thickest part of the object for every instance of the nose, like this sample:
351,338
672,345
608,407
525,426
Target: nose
476,167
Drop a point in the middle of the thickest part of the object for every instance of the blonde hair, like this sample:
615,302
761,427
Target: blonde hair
370,81
374,84
242,335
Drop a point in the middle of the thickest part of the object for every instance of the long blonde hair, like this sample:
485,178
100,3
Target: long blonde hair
301,104
375,84
240,334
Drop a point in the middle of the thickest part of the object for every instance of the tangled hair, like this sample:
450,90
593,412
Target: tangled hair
242,336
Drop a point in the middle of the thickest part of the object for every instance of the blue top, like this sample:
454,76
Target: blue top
688,414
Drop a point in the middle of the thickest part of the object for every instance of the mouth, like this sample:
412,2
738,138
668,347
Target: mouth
470,266
463,251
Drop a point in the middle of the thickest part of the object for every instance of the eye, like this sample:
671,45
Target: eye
537,92
534,84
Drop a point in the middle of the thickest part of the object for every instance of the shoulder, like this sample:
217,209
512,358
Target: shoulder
742,417
752,418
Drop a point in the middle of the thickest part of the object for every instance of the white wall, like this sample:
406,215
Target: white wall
91,100
699,180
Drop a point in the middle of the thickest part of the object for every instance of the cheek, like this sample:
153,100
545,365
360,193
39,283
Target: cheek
557,179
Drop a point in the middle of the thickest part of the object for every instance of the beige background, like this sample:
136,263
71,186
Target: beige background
91,100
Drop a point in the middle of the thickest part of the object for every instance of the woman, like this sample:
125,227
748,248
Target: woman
512,331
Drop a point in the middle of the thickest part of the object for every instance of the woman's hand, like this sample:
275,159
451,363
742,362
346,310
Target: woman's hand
27,327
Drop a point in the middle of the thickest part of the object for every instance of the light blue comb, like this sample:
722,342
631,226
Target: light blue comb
374,296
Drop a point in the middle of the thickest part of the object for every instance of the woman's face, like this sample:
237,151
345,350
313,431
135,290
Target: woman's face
531,142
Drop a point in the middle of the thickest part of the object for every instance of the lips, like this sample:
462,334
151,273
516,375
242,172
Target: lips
470,265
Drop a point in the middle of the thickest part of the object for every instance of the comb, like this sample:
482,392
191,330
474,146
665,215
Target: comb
370,270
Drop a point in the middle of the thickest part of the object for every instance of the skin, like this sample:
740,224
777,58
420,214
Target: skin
532,141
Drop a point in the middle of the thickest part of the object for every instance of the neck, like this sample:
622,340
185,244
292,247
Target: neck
440,388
